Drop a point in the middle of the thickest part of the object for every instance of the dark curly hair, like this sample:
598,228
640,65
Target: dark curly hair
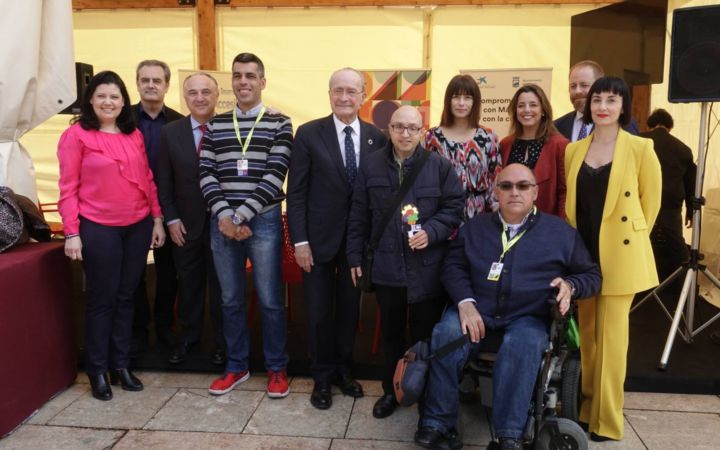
89,120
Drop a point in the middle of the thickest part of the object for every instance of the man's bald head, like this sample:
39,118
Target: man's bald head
405,129
516,191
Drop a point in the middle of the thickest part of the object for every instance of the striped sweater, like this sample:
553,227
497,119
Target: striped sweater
268,156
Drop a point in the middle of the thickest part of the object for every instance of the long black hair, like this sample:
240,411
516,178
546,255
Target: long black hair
88,119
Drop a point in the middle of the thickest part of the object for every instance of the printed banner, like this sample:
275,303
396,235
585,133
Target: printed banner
387,90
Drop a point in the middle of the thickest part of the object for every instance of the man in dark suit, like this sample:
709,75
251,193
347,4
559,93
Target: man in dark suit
187,218
323,166
582,76
678,186
151,114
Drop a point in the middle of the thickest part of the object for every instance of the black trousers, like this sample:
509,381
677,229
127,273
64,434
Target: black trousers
196,276
395,315
333,308
114,259
669,246
165,291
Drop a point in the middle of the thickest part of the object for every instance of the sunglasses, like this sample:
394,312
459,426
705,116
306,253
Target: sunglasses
521,186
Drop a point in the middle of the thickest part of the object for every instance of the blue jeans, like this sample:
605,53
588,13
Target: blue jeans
264,248
514,375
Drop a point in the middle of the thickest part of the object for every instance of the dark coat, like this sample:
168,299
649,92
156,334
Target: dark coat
549,248
318,193
178,178
440,199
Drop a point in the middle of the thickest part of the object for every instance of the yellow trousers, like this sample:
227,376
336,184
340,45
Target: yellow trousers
603,322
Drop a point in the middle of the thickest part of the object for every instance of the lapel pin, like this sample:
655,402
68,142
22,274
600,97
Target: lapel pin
370,142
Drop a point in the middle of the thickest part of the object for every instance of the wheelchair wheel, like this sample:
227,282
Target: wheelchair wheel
570,389
558,433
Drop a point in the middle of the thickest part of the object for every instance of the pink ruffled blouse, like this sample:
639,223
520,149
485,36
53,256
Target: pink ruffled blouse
105,178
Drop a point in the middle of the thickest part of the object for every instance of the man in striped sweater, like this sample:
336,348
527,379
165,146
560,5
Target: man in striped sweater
243,163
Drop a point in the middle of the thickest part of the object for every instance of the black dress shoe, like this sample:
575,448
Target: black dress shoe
427,437
597,438
100,387
384,406
450,441
321,397
219,358
127,380
348,386
179,353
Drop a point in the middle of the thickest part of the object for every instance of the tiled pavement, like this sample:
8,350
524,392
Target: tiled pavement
176,412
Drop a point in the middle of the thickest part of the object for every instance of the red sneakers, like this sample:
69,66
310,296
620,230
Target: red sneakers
277,386
227,382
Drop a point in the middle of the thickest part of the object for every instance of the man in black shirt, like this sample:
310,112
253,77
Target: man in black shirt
151,114
678,185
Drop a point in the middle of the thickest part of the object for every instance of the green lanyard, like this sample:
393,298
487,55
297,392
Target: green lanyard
508,245
249,136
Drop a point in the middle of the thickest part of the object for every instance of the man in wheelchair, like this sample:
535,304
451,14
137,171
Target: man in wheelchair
499,272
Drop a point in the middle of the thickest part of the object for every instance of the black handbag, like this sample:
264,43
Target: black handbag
365,281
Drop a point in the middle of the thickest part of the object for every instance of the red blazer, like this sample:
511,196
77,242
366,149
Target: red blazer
549,172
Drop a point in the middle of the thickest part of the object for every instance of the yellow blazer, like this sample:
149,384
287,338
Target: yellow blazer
631,207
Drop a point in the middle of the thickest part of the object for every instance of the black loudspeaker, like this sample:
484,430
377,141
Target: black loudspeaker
83,73
695,55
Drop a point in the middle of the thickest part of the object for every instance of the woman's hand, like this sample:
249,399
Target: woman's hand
73,248
158,233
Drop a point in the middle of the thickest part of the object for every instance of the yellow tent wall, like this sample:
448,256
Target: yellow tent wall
302,46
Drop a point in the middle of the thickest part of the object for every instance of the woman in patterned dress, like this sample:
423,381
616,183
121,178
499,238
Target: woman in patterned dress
471,148
535,142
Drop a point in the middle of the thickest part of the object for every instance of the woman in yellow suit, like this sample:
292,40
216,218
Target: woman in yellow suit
613,197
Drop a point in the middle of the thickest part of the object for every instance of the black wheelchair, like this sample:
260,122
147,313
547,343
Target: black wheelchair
553,412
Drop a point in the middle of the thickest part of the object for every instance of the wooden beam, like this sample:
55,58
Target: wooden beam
145,4
207,36
349,3
126,4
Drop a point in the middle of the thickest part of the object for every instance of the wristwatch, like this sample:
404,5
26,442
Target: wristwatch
237,220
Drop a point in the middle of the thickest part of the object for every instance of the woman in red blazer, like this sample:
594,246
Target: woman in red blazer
535,142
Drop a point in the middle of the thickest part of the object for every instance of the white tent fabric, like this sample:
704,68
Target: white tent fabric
37,79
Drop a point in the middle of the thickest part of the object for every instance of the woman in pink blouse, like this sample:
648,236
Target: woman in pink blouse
111,217
470,147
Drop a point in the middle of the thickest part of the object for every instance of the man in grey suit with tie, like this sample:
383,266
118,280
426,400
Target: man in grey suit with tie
323,166
187,218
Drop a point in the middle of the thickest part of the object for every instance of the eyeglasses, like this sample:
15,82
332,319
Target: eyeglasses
338,92
521,186
411,129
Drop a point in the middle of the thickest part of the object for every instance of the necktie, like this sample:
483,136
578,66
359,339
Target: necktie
350,164
203,128
583,131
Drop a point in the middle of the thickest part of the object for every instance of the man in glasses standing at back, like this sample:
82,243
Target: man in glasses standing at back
499,273
411,245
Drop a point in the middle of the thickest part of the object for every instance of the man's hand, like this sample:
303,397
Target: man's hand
227,227
303,257
419,240
242,232
73,248
564,294
355,274
177,233
471,322
158,233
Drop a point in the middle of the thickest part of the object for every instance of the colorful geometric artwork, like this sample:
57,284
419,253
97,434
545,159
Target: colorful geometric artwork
387,90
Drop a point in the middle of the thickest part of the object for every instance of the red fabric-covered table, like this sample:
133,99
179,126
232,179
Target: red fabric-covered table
37,345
